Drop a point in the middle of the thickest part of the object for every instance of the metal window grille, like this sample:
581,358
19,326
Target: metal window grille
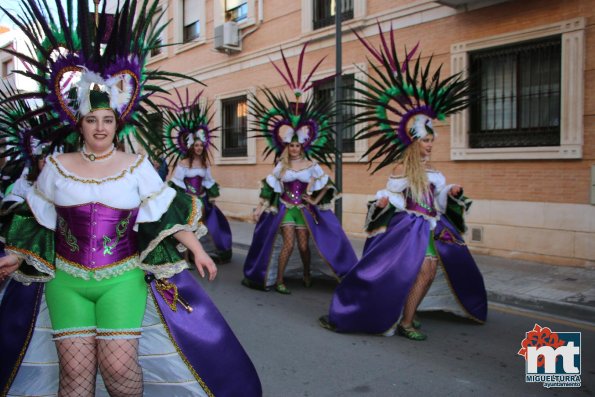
324,12
519,101
235,127
236,11
325,92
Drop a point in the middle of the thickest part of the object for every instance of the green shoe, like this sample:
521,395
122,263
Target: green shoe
416,323
282,289
325,323
307,282
410,333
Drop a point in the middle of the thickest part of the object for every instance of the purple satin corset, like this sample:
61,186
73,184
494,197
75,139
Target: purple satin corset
194,185
293,191
426,207
95,236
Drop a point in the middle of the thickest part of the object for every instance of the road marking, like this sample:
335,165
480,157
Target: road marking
534,314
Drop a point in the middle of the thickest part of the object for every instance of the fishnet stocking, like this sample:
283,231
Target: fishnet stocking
304,248
118,362
419,289
288,233
78,366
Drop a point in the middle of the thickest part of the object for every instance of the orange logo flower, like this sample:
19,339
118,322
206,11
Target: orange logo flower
537,338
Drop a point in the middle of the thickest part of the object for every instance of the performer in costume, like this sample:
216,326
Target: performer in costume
188,135
99,225
296,197
415,224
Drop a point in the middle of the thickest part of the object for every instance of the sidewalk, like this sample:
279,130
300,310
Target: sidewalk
555,290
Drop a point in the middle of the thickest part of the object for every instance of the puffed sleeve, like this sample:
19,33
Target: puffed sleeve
319,178
155,195
41,198
441,188
394,192
178,176
274,179
163,212
208,180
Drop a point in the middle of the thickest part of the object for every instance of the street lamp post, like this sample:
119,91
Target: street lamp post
338,109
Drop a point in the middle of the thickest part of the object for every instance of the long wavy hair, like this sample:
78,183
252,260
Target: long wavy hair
191,156
284,159
415,171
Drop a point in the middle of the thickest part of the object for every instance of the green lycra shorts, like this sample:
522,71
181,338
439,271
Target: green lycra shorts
293,216
110,308
431,249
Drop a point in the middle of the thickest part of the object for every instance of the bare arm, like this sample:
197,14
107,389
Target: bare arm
202,261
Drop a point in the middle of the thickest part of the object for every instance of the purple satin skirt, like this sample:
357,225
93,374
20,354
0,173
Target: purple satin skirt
218,226
202,337
325,230
370,298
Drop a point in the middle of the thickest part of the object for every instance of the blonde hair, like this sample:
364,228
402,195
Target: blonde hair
415,172
284,159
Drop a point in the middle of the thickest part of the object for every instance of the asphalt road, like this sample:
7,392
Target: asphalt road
294,356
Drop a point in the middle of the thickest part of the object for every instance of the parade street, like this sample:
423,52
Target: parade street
295,357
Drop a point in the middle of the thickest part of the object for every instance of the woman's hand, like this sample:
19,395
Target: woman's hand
203,262
257,213
201,259
382,202
456,190
8,264
309,199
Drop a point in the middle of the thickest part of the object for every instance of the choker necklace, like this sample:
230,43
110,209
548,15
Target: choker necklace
95,157
296,158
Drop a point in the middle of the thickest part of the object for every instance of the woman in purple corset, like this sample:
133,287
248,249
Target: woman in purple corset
100,301
415,250
188,135
295,198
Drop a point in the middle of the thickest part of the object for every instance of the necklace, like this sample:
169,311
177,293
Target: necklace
97,157
296,158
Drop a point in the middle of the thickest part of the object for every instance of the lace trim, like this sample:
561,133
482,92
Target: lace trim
125,333
200,232
114,269
66,174
77,332
164,187
34,260
167,270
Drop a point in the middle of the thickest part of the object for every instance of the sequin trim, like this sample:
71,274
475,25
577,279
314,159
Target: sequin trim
73,333
130,333
130,169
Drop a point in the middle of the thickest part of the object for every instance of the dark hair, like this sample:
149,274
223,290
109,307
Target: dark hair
204,157
34,169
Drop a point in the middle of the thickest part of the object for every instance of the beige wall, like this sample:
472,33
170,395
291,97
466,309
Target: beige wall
534,209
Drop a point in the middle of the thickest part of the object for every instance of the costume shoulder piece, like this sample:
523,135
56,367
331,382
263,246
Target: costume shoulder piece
401,98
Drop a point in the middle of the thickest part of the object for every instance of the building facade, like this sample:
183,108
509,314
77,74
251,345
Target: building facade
524,151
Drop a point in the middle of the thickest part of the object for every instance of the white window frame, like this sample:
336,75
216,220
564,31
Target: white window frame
359,74
250,157
178,24
572,33
359,11
219,13
163,50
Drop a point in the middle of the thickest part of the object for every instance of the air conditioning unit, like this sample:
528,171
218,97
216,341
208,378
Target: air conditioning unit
227,37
